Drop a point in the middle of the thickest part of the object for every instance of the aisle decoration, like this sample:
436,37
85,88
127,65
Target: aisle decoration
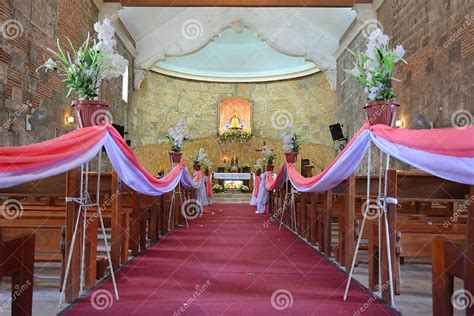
268,156
198,159
373,69
46,159
291,144
84,69
444,153
256,181
176,137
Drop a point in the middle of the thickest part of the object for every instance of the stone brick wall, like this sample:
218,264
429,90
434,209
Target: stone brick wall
308,102
39,23
438,80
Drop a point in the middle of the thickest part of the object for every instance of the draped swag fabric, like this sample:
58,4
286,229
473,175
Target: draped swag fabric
447,153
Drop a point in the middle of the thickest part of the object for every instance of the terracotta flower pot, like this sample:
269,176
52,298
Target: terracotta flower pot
269,168
91,112
291,157
197,167
175,157
381,112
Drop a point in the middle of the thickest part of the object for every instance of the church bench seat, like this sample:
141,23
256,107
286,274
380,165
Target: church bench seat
423,214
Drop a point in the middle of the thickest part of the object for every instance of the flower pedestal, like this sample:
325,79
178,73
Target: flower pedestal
175,157
381,112
90,112
269,168
291,157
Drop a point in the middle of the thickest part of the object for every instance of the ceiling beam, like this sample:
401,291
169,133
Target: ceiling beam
238,3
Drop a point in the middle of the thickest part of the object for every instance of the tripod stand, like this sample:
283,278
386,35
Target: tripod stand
173,204
382,211
85,203
173,199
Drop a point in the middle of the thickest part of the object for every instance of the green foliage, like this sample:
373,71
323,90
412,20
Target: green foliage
244,189
269,158
235,135
216,188
245,167
373,69
174,148
80,68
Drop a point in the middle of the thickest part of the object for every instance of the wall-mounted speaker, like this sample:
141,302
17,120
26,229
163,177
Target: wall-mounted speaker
336,132
120,129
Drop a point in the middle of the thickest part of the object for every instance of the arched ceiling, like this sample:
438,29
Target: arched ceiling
312,33
236,55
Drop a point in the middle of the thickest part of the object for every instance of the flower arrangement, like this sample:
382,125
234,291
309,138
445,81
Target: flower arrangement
217,188
259,165
95,60
177,135
244,189
268,155
221,167
291,141
373,69
207,165
199,157
230,135
245,167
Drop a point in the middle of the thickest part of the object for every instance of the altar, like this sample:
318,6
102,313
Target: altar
232,181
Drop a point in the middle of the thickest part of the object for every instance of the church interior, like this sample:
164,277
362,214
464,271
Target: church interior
196,157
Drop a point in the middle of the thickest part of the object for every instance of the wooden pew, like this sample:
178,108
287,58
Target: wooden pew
411,189
17,261
454,259
44,211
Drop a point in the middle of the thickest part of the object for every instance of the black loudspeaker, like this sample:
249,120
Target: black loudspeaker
336,131
120,129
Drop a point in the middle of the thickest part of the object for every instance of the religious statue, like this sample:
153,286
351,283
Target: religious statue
234,122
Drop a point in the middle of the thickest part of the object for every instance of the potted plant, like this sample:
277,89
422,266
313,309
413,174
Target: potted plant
221,167
373,70
198,159
207,166
217,188
244,189
84,69
269,157
258,167
176,137
245,167
291,144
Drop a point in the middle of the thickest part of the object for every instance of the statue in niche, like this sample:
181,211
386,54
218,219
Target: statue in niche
234,122
235,113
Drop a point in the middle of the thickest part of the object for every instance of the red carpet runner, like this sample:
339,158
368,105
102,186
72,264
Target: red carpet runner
233,262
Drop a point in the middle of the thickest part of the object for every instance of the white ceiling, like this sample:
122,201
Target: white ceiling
312,33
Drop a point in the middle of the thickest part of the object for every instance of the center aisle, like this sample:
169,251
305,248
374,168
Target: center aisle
232,262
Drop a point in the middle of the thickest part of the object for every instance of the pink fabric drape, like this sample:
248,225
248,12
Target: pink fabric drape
457,142
256,186
210,193
18,160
